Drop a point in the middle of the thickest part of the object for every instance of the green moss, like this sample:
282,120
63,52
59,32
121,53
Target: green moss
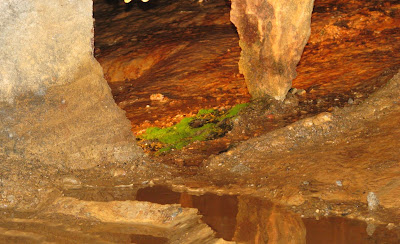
235,110
185,132
205,111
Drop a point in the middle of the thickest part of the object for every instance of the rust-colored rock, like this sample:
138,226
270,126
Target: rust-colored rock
272,35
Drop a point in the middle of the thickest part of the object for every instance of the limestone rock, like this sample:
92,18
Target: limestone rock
169,221
272,35
55,106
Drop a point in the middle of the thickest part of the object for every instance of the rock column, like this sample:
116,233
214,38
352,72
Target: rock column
55,105
272,34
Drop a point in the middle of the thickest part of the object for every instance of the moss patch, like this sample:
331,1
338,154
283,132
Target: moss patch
208,124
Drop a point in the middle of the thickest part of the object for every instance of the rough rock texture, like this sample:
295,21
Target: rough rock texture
42,44
55,105
170,221
272,35
338,156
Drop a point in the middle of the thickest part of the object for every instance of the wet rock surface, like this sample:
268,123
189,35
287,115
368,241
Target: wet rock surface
296,167
321,164
339,61
355,145
69,220
158,214
352,48
318,154
186,51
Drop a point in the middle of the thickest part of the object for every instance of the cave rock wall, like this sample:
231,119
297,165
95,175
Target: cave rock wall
272,34
55,105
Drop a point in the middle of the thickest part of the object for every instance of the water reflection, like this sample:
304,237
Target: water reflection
247,219
336,230
219,212
243,219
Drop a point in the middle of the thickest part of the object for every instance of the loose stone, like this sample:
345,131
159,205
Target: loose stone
71,182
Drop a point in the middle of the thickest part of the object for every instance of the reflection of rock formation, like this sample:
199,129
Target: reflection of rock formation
242,219
272,37
246,219
55,105
219,212
69,220
260,221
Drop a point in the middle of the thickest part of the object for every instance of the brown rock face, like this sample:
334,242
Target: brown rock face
272,35
55,106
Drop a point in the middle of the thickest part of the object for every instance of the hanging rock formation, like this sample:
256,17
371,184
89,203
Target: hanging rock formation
55,106
272,35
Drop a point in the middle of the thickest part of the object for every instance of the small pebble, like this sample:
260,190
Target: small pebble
307,122
11,199
322,118
173,215
370,229
71,182
180,162
301,92
293,90
118,172
240,168
339,183
157,97
350,101
390,226
270,116
372,200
